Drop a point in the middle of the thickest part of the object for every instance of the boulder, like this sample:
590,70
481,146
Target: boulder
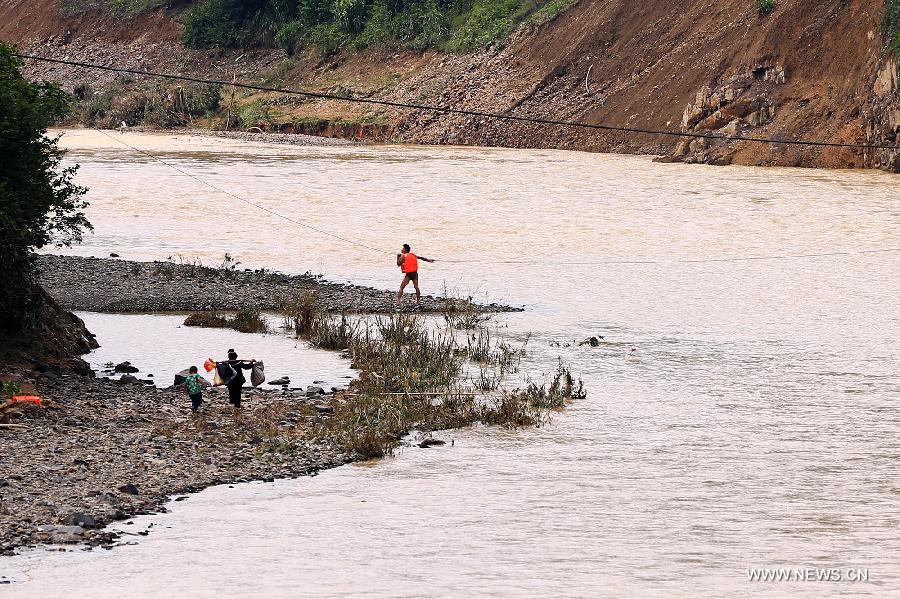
282,381
125,367
314,390
129,489
79,519
129,379
431,443
61,534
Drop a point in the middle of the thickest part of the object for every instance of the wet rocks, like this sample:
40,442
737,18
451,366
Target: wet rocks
112,451
592,341
426,443
125,367
79,519
285,380
129,489
57,534
314,390
103,285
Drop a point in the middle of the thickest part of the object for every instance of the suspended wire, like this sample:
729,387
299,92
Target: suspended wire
237,197
684,261
493,261
457,111
461,111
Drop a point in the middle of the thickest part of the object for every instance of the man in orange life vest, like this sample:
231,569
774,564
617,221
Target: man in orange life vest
409,264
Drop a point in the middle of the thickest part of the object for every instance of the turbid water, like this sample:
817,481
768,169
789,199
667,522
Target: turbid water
161,346
740,413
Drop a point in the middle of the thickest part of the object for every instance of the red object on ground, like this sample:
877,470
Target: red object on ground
209,365
26,399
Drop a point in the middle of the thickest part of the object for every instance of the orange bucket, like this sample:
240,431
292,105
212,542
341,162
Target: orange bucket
26,399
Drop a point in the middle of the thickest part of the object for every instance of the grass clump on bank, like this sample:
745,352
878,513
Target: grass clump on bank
247,320
411,378
765,7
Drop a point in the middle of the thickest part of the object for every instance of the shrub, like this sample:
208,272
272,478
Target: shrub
9,388
249,320
327,38
487,22
331,24
300,312
216,23
200,99
765,7
255,114
892,25
212,320
550,11
290,37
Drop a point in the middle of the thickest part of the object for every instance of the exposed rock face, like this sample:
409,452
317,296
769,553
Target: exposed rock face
732,108
883,127
612,62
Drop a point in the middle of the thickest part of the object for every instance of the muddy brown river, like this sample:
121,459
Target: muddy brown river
742,413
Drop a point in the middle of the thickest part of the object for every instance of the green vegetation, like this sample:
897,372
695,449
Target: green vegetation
39,200
892,25
206,320
127,8
550,11
410,380
457,25
9,388
156,105
765,7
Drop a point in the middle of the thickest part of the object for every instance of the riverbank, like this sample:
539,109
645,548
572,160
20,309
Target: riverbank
598,62
113,285
99,451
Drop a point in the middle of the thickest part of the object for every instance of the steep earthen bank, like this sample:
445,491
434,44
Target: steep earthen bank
113,285
811,70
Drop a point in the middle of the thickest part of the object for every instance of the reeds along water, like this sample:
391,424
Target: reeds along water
246,320
411,377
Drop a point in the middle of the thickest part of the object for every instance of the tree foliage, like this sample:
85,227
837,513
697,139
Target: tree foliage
39,200
892,25
330,24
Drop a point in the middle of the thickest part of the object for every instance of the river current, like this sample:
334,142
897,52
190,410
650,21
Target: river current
741,413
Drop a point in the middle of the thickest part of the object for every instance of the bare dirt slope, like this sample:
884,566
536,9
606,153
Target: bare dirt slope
814,69
649,60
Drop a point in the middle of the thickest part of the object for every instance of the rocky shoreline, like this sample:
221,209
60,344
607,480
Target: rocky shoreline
114,285
98,451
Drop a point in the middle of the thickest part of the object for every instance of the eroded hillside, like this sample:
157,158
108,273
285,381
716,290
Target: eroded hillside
812,69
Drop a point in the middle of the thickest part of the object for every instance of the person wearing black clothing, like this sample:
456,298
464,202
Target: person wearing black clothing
236,384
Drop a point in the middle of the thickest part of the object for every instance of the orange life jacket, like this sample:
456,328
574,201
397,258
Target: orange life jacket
410,262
